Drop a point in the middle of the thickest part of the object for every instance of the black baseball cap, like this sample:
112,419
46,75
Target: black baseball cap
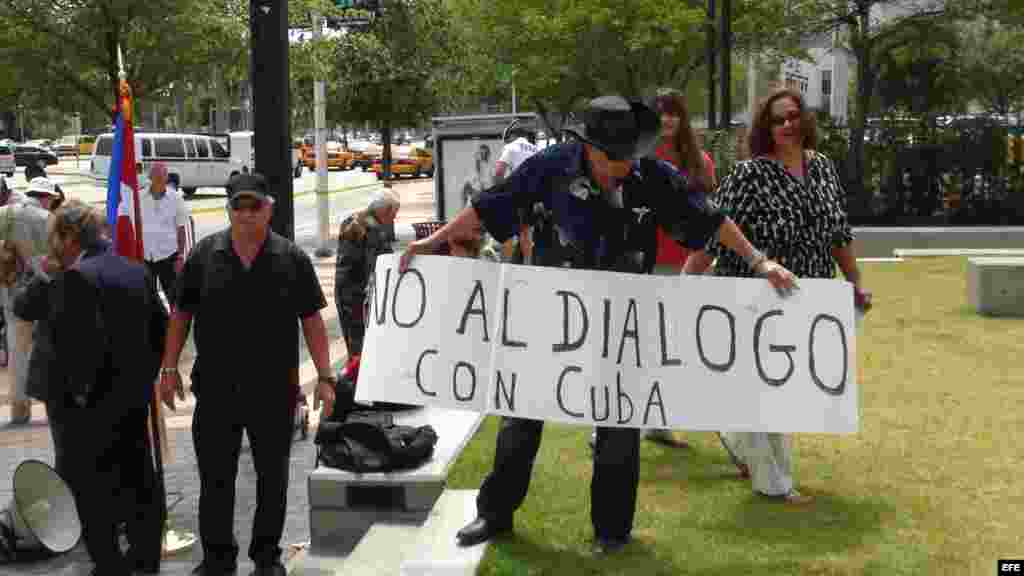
253,185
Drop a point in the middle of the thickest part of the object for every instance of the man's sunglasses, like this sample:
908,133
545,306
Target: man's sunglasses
243,204
793,117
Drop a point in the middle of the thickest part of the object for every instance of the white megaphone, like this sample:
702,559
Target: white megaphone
42,513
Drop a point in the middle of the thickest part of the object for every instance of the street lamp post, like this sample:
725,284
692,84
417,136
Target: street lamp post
268,68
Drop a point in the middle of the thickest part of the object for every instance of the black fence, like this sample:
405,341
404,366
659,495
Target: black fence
964,173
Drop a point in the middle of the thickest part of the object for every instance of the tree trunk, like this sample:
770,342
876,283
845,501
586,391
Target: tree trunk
858,194
179,107
112,70
385,158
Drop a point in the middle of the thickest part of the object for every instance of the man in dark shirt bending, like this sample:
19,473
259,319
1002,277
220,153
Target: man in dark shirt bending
591,204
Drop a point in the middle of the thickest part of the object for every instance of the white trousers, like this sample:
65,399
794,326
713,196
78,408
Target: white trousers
769,455
19,347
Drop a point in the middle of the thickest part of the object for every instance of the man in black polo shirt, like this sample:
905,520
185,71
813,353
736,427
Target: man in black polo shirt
247,289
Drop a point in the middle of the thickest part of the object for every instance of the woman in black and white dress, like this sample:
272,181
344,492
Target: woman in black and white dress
789,201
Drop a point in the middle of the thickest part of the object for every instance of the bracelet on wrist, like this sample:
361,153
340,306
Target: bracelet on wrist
169,370
755,258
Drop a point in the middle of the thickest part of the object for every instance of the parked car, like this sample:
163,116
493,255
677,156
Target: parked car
411,161
242,147
337,157
25,154
7,164
86,144
363,154
66,146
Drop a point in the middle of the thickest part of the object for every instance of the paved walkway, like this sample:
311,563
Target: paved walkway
181,475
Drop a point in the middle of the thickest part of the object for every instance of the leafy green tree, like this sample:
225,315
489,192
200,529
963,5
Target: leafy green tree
562,52
396,72
994,65
70,47
871,29
922,76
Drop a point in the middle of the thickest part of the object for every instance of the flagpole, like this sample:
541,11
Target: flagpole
182,541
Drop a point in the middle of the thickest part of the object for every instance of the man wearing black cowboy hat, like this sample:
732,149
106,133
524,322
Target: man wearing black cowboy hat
591,204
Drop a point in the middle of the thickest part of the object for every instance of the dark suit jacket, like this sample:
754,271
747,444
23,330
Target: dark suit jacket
32,303
108,327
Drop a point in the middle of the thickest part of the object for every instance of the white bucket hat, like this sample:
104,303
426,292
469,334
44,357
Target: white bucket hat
41,185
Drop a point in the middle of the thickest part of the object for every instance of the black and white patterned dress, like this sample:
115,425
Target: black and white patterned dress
795,223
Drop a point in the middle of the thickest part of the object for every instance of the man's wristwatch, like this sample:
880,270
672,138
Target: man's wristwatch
169,370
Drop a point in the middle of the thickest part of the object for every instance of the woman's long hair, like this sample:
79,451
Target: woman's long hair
685,143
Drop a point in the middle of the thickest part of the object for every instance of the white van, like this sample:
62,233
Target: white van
242,146
193,160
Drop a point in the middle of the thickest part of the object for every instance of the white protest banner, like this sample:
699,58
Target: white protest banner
609,349
429,333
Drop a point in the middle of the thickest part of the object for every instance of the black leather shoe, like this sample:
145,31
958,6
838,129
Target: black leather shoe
610,545
274,568
209,570
481,530
143,567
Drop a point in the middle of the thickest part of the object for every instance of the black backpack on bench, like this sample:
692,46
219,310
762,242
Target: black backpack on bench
372,442
362,438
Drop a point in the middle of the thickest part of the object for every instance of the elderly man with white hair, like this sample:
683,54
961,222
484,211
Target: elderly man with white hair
164,217
361,238
23,224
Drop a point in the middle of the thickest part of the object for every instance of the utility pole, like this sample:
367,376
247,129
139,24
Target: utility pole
711,59
268,68
725,75
319,124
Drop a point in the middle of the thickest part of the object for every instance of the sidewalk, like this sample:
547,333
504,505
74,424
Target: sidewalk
180,472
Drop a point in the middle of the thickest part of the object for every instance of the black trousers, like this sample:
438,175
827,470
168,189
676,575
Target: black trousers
353,328
164,271
56,417
217,426
113,478
613,486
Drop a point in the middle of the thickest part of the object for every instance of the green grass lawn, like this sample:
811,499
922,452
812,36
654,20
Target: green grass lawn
933,483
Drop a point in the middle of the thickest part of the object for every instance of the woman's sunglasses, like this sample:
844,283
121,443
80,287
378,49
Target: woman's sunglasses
792,117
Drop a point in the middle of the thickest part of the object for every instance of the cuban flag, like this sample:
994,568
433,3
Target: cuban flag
123,182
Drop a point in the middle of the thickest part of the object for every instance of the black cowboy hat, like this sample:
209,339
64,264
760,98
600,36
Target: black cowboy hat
620,128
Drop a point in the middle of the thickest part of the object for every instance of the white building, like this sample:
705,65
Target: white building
823,80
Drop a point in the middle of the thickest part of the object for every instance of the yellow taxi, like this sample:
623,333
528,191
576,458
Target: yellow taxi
407,160
365,156
337,156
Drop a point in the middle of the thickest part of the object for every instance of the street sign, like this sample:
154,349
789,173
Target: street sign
354,13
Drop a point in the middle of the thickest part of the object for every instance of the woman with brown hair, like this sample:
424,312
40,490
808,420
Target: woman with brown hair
678,147
789,200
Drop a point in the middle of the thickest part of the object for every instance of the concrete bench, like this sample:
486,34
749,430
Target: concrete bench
344,505
935,252
426,548
995,286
